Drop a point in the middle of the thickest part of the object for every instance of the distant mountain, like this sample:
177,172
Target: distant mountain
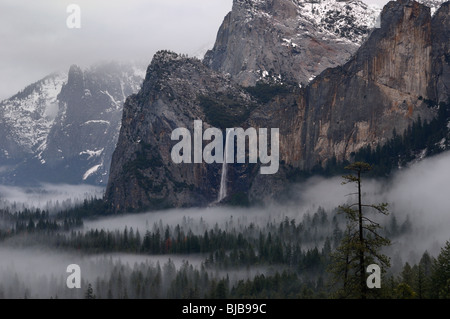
64,127
27,118
289,40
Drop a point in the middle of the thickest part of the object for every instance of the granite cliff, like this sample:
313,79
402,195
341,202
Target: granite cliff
398,74
289,40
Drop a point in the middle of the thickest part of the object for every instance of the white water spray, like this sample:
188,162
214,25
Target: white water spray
223,179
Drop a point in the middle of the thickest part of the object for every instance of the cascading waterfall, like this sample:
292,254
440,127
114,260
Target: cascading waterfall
223,179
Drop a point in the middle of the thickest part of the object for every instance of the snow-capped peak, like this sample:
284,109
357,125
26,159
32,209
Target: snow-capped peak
351,20
32,111
66,124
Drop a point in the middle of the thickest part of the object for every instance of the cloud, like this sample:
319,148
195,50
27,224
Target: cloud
418,193
41,273
36,41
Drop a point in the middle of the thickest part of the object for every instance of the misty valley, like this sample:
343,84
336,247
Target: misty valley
113,187
276,250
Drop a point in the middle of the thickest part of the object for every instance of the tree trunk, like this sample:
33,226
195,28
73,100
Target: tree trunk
362,275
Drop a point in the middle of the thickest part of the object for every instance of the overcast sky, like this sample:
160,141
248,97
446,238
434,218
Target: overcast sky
35,40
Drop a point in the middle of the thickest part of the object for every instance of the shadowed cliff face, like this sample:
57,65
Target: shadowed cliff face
382,87
83,138
439,88
176,91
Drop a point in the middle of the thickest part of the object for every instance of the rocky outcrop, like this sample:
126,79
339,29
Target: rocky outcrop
176,91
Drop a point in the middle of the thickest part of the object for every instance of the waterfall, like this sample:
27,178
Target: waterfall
223,179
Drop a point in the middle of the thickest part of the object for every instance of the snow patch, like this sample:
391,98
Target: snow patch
33,115
91,171
96,122
289,43
116,103
92,153
442,144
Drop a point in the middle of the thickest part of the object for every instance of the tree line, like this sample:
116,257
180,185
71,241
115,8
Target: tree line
322,256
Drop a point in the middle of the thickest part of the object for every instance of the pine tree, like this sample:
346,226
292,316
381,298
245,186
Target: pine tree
404,291
362,241
423,278
408,275
89,293
441,273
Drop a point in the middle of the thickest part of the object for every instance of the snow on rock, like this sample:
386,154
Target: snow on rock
92,154
291,38
32,111
349,20
69,119
91,171
97,122
116,103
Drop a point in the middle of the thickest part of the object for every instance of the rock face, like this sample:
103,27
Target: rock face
289,40
176,91
378,90
439,88
382,87
64,128
432,4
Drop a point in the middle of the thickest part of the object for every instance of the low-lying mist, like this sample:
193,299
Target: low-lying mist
49,197
418,193
417,196
41,273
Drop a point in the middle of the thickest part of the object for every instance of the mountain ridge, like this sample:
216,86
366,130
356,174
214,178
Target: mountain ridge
287,40
41,143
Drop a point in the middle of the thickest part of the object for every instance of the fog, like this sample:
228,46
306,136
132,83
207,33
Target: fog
41,273
50,197
308,197
36,40
418,193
